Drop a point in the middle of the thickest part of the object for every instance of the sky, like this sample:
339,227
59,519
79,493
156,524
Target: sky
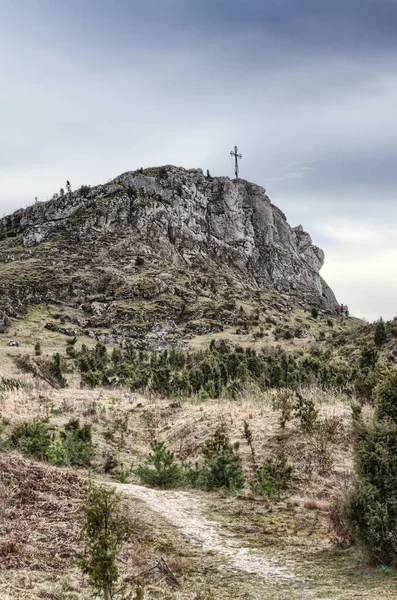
307,89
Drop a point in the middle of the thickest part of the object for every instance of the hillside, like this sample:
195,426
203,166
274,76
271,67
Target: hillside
155,253
166,307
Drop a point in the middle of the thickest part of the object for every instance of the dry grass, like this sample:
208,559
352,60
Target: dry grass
125,423
297,531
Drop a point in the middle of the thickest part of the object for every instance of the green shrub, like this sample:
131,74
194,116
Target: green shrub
386,397
371,510
314,313
56,453
306,412
71,446
160,468
70,351
222,464
284,402
84,190
224,471
272,478
77,442
380,335
32,438
222,370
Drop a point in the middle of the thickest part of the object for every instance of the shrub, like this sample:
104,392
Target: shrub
72,446
314,313
222,463
272,478
380,335
56,453
32,438
306,412
139,261
84,190
386,397
105,528
37,349
371,510
77,443
284,402
160,469
224,471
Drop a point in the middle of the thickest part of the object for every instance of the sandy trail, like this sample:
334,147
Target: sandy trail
187,513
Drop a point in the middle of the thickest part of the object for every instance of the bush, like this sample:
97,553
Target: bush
306,412
371,510
224,471
314,313
72,446
272,478
32,438
37,349
84,190
122,474
386,397
139,261
380,335
160,469
222,463
284,402
77,442
56,453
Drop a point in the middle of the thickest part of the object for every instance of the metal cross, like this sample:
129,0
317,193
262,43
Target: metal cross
236,157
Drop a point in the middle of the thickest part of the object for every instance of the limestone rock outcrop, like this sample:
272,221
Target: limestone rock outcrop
171,218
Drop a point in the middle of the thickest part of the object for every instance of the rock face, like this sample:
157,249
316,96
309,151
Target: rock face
173,218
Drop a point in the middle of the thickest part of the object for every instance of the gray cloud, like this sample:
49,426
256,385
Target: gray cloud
308,92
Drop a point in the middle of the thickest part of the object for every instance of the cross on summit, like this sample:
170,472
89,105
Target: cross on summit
236,157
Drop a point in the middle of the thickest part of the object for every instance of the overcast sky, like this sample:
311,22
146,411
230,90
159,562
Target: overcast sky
306,88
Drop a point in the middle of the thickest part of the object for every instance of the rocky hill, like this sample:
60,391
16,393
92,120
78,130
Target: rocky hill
166,239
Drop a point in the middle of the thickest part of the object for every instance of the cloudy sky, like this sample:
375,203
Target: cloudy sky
306,88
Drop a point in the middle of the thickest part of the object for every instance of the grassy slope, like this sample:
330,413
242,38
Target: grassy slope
296,530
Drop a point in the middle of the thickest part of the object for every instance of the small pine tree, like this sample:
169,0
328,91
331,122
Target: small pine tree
105,528
37,349
160,469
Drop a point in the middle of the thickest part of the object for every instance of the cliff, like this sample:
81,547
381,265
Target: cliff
163,233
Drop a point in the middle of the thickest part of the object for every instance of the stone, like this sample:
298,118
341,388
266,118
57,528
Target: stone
176,221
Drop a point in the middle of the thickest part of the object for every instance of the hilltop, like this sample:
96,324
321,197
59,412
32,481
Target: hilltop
154,249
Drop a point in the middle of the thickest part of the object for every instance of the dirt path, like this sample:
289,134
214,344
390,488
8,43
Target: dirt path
187,513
